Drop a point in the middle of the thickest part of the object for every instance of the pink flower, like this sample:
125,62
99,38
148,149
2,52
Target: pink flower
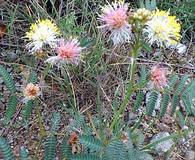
68,52
158,76
114,18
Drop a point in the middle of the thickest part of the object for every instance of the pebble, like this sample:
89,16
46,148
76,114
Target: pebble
190,155
164,146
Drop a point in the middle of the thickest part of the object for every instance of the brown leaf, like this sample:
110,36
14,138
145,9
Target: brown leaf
2,30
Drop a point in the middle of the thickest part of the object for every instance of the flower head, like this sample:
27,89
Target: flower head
73,138
42,32
142,14
31,91
158,77
162,29
114,19
67,52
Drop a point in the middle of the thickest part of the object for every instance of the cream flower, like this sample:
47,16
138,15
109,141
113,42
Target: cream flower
31,91
41,33
114,19
162,29
67,52
142,14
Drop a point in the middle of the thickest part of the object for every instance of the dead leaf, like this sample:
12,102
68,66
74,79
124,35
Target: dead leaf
2,30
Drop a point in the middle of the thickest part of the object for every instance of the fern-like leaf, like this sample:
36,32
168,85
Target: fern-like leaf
181,84
26,111
151,102
66,150
8,79
6,149
10,109
186,101
181,118
138,101
143,77
50,148
175,102
84,157
90,142
164,104
24,154
177,93
33,77
172,81
115,151
55,122
134,154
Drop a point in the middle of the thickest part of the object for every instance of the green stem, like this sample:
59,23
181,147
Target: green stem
40,120
71,89
130,87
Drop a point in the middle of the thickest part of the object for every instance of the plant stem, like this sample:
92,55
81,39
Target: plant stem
130,88
40,120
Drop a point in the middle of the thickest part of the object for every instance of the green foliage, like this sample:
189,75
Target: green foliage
33,77
148,4
176,94
143,77
6,149
164,104
51,141
172,81
8,79
116,150
65,149
176,91
79,122
90,142
181,119
11,108
187,97
24,154
84,157
134,154
55,122
151,102
69,26
138,101
27,109
50,148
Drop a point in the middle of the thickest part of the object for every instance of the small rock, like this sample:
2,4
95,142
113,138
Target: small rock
190,155
164,146
181,48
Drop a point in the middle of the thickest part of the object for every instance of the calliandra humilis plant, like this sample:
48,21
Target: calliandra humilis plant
114,19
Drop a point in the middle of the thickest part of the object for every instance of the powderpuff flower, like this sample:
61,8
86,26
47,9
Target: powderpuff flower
31,91
162,29
67,52
158,77
114,19
43,32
